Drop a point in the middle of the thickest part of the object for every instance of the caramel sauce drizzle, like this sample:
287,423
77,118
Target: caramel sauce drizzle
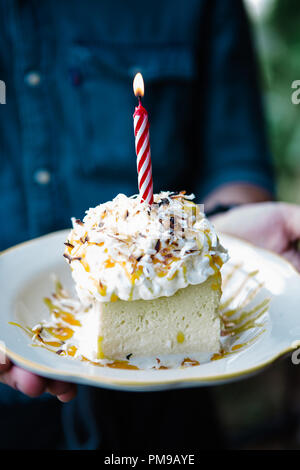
238,325
234,322
238,290
121,365
229,275
67,317
223,353
237,320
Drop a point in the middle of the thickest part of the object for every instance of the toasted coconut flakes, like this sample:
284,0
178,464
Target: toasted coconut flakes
157,245
163,201
69,258
147,235
69,244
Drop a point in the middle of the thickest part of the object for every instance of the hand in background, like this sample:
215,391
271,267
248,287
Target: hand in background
33,385
271,225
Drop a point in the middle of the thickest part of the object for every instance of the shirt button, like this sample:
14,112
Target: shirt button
42,176
32,79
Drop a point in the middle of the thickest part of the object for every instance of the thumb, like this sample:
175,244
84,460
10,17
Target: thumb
293,257
291,214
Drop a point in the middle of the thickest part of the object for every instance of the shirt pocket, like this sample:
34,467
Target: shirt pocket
102,77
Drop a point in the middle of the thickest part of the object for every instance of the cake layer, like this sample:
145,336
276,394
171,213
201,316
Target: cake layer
186,322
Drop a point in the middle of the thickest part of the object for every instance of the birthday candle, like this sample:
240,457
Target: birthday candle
142,143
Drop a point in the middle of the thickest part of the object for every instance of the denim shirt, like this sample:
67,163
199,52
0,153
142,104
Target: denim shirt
66,130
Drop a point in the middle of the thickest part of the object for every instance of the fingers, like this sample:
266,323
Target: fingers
291,213
24,381
5,365
294,258
68,396
34,385
63,390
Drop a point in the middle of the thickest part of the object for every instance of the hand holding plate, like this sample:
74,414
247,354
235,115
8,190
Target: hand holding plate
34,385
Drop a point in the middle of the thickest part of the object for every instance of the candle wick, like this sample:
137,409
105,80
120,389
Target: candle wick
140,100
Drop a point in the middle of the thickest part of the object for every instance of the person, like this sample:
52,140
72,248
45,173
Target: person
67,144
271,225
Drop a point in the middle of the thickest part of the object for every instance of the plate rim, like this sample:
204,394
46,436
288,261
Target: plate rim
98,380
36,367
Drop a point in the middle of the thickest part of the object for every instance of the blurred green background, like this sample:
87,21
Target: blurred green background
277,33
263,412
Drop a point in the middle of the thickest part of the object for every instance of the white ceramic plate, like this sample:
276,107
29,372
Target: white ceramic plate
25,273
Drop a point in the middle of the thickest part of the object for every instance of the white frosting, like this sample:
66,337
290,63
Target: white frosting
129,250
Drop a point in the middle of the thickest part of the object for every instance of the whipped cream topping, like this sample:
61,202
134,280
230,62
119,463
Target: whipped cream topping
126,249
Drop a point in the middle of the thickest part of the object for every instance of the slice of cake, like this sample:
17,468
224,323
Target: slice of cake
152,276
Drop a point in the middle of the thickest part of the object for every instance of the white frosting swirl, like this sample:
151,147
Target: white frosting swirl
129,250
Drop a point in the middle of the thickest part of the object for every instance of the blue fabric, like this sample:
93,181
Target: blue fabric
76,122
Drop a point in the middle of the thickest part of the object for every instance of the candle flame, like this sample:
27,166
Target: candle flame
138,85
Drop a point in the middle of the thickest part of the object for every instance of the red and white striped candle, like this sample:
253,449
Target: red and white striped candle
142,143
